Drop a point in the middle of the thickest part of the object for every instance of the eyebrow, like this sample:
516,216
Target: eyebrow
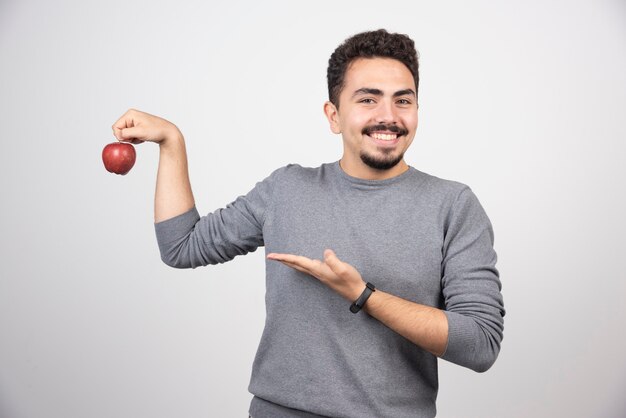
378,92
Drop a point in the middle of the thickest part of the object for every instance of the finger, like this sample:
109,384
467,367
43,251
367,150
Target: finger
292,258
126,121
336,265
296,267
279,256
328,253
117,133
313,267
131,134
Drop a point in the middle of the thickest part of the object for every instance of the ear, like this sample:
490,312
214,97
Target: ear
332,114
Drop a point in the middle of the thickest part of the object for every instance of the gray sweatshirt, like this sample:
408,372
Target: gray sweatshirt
416,236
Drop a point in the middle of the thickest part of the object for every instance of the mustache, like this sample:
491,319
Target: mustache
382,127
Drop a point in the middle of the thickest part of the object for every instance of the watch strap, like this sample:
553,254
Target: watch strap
358,304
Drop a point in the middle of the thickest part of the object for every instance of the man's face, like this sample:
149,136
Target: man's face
377,117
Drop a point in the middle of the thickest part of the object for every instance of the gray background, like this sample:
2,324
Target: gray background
523,101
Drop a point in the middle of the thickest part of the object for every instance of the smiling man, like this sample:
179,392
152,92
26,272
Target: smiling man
374,269
378,117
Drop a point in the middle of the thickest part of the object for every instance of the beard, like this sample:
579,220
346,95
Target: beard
385,162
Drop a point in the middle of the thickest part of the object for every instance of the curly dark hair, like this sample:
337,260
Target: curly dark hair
379,43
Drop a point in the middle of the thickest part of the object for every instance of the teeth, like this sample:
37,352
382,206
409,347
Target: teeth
384,137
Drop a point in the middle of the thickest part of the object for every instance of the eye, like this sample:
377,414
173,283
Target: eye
367,100
404,102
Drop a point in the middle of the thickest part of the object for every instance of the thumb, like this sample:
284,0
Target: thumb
333,261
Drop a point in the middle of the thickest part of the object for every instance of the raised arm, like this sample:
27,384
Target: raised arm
173,195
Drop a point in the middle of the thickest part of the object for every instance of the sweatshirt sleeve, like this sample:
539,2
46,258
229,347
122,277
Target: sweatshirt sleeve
471,286
189,241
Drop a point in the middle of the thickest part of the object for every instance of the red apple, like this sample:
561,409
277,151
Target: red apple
119,157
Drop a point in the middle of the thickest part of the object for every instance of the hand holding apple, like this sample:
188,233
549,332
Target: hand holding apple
173,194
119,157
136,127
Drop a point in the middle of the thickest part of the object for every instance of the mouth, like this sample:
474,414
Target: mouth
385,136
384,139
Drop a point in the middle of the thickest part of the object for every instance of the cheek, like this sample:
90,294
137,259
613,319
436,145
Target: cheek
410,121
357,121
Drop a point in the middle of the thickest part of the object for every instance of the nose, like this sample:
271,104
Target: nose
385,112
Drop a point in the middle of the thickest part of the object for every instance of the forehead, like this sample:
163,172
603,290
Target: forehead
386,74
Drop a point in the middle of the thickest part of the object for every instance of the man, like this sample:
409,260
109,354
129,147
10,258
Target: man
368,232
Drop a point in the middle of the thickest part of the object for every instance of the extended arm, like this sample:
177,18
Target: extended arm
470,329
425,326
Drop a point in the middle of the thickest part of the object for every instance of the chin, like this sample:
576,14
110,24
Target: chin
384,163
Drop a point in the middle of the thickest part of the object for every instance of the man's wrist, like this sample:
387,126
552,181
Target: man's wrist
358,304
172,142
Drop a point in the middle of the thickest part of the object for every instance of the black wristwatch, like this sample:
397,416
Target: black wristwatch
358,304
